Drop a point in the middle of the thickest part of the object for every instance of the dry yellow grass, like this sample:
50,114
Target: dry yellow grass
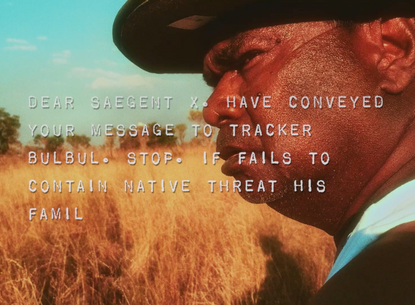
150,248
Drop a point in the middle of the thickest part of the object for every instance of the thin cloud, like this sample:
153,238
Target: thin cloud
19,44
106,62
61,58
108,79
42,38
122,81
22,47
93,73
14,40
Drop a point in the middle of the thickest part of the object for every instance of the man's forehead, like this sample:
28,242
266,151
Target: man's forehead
260,34
229,54
269,35
237,41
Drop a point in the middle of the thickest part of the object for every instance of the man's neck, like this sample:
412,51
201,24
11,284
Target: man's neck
397,170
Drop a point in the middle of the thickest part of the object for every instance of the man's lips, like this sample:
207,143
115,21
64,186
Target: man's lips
229,148
231,166
230,154
228,151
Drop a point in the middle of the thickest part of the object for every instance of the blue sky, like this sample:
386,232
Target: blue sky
64,48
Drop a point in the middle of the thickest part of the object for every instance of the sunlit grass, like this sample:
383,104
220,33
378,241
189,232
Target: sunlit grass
150,248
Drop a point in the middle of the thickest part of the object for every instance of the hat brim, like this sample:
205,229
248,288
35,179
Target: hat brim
166,36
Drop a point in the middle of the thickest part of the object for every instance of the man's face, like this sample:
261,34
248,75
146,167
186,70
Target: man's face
304,59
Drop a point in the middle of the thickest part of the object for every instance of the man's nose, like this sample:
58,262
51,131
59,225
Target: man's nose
217,111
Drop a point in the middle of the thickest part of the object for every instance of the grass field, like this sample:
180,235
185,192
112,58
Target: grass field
150,248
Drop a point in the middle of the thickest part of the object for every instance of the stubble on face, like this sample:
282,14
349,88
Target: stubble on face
310,59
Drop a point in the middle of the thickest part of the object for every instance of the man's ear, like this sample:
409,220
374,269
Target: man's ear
397,63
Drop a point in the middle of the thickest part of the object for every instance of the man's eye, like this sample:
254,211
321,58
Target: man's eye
246,58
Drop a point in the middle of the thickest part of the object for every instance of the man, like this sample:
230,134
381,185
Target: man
343,89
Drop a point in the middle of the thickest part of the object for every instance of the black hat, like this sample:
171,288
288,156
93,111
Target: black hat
173,36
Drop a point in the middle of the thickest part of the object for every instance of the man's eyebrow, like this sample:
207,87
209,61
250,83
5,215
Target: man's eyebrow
217,58
209,80
223,58
228,52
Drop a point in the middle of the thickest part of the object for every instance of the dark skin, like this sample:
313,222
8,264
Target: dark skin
372,151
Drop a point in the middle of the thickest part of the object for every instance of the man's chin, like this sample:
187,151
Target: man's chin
257,198
260,191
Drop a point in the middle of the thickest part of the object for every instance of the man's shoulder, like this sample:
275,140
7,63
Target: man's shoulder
383,273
